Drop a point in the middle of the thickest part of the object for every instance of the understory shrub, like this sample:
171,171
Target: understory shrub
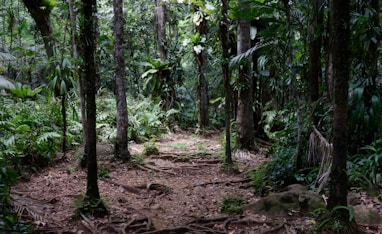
364,168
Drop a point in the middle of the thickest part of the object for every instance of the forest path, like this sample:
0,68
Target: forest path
182,183
181,189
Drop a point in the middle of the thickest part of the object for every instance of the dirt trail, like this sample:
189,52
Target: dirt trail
180,184
178,190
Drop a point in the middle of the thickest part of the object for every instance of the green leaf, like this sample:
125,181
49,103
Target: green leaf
23,129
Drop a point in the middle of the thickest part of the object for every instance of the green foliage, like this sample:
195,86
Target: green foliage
282,167
331,220
103,173
30,133
260,178
9,221
364,169
25,91
365,119
233,205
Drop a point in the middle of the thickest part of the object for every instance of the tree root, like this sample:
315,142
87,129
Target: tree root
126,187
226,182
151,168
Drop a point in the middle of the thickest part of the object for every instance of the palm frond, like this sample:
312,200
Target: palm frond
320,150
237,59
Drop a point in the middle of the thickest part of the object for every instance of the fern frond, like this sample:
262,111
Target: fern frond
47,136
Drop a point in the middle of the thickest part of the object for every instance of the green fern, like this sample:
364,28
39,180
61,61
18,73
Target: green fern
47,136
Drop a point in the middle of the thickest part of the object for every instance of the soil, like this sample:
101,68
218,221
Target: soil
178,190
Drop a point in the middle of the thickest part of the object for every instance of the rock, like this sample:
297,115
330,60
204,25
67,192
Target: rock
366,216
294,198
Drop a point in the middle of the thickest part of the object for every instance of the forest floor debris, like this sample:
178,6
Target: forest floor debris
179,190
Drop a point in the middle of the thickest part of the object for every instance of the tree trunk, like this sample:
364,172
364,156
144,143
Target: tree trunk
40,13
160,29
77,52
244,118
315,38
167,89
120,147
88,42
201,59
224,40
339,36
294,90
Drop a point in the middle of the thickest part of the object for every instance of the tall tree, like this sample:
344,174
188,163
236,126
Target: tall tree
244,119
120,147
224,40
339,37
92,200
77,52
201,28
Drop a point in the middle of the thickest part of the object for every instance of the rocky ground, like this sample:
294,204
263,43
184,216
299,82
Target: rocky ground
179,189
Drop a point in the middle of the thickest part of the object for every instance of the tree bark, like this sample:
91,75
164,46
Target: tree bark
120,147
224,40
202,87
244,118
167,89
339,37
88,42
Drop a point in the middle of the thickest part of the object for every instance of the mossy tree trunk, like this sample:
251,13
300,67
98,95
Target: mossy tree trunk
244,117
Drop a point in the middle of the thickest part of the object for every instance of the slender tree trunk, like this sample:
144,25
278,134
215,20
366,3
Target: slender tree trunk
315,38
64,127
77,52
201,59
120,147
244,118
293,87
224,40
167,89
88,42
339,37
